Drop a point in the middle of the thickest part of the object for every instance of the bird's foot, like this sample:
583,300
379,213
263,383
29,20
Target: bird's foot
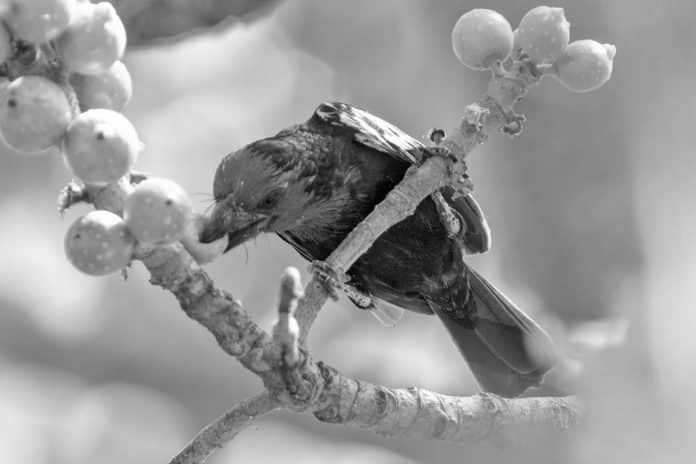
452,221
333,279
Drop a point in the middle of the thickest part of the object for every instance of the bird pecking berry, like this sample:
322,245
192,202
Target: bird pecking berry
101,146
543,34
157,211
99,243
111,89
202,252
38,21
34,113
482,37
586,65
94,40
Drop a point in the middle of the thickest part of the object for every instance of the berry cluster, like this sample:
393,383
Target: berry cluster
483,39
62,85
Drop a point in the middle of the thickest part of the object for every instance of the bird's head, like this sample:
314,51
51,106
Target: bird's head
256,190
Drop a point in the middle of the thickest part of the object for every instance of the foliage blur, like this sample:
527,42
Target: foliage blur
591,210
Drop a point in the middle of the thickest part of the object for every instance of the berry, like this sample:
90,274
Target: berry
94,40
34,113
101,146
586,65
38,21
202,252
110,90
543,34
157,211
482,37
99,243
5,45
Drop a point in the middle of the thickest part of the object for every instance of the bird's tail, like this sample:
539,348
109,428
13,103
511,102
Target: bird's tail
506,350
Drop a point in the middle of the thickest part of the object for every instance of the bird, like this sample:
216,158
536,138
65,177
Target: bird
313,182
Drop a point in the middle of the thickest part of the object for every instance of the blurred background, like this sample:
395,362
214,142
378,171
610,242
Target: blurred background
591,208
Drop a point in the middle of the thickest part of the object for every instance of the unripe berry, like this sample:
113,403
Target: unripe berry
543,34
94,40
586,65
101,146
5,45
110,90
34,113
157,211
482,37
38,21
202,252
99,243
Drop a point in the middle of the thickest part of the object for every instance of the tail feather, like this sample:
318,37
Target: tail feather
506,350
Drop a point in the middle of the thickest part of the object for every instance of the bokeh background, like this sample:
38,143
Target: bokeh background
592,212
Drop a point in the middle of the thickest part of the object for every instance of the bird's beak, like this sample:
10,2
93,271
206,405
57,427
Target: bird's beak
240,226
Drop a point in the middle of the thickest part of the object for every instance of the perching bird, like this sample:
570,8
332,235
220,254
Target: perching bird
314,182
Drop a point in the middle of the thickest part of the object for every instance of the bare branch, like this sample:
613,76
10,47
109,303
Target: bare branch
221,431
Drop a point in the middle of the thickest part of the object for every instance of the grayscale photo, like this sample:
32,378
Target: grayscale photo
347,232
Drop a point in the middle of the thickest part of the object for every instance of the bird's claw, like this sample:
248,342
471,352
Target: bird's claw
332,278
452,221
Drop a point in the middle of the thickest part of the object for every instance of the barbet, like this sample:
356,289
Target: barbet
314,182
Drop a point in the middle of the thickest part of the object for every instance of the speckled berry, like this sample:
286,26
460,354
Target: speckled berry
38,21
586,65
482,37
34,114
543,34
94,40
110,90
157,211
101,146
99,243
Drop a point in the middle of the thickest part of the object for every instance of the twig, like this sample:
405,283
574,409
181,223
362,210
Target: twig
286,331
219,432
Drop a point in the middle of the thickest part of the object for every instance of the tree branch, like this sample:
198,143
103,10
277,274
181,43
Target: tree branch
215,435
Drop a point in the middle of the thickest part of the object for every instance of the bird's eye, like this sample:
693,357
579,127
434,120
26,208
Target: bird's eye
271,199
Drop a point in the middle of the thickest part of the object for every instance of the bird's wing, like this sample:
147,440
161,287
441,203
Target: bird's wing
376,133
371,131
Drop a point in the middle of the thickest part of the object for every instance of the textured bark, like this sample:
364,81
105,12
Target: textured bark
215,435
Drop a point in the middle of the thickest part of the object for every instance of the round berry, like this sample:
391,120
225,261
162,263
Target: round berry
110,90
482,37
101,146
543,34
202,252
34,113
94,40
586,65
157,211
38,21
99,243
5,45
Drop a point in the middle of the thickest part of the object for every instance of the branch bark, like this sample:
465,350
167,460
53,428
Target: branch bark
216,434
